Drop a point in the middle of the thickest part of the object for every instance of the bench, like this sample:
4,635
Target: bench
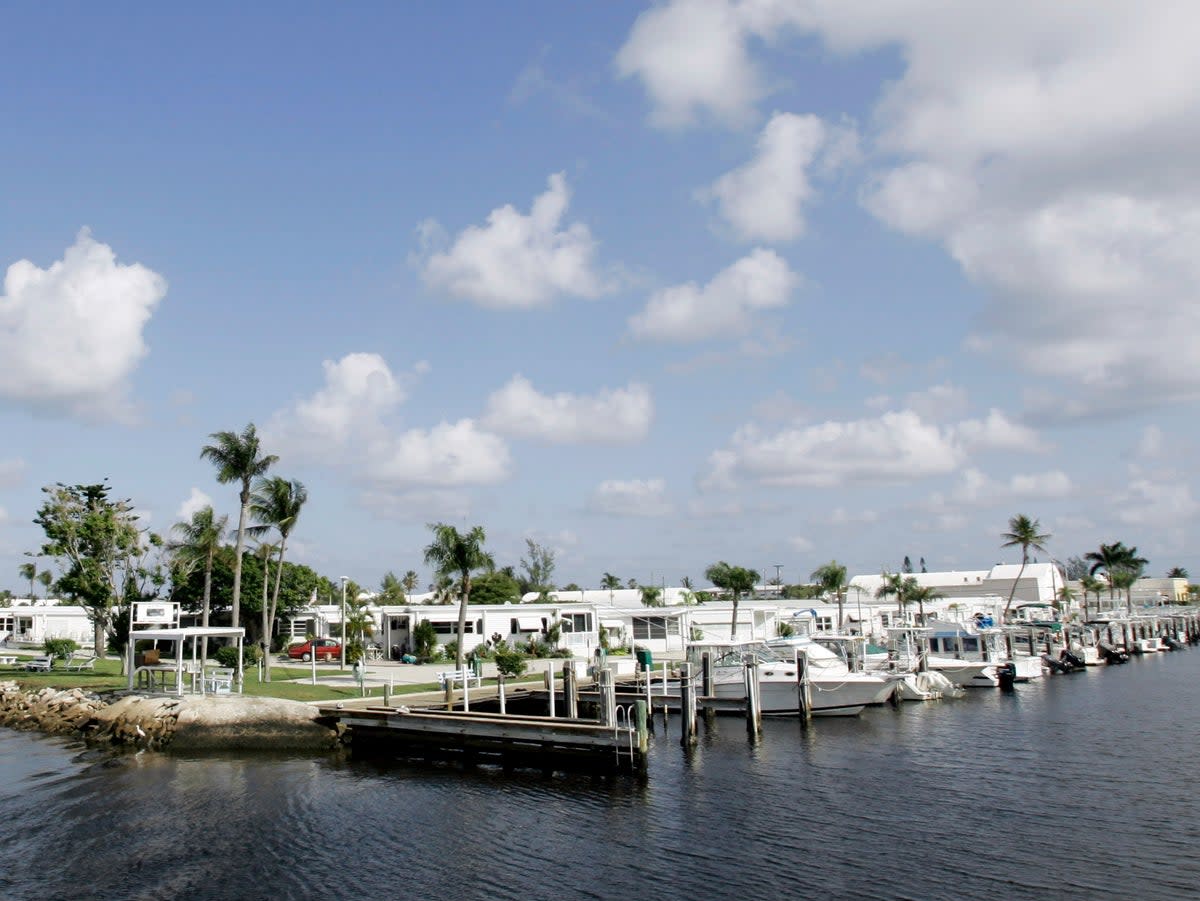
462,677
81,664
39,663
8,659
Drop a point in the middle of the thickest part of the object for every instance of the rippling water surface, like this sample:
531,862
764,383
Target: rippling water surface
1079,787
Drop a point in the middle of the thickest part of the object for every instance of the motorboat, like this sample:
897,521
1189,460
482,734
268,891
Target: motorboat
834,690
904,661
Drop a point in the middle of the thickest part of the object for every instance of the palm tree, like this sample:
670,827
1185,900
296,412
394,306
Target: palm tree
611,582
29,571
899,586
1090,584
197,543
651,596
1112,558
1066,595
734,579
1131,569
276,503
1177,572
451,552
410,583
1023,531
832,579
46,579
238,459
921,594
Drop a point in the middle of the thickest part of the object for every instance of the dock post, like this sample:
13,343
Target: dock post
608,697
687,705
500,689
571,690
753,716
803,696
466,680
550,689
640,718
648,670
387,692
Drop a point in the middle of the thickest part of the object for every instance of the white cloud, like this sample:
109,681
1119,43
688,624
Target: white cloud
894,447
346,424
1148,502
977,488
1152,443
839,516
725,306
897,446
632,497
12,471
617,416
939,403
691,58
764,200
517,261
800,544
195,502
71,334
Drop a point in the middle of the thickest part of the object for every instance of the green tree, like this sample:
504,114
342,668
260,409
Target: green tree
391,590
29,571
900,587
1113,558
452,552
1025,532
611,582
495,588
832,579
735,580
276,503
1089,584
410,583
651,596
538,568
196,544
46,580
921,594
238,459
97,541
1177,572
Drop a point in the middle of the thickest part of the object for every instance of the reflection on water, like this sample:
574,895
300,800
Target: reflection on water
1072,788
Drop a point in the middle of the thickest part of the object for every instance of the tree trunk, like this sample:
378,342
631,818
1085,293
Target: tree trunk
204,610
462,617
733,625
269,627
237,565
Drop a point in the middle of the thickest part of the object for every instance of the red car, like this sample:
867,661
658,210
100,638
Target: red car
324,648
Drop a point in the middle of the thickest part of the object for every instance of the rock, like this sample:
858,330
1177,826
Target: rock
243,723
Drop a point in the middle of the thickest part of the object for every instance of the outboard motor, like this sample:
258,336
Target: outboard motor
1006,674
1112,655
1055,666
1072,660
1171,643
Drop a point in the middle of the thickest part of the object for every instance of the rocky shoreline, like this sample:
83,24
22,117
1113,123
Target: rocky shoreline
229,722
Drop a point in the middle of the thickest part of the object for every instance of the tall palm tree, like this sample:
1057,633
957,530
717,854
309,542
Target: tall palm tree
410,583
452,552
611,582
1090,585
899,586
276,503
1110,558
1023,531
832,579
238,458
1177,572
734,579
921,594
196,544
1131,569
46,580
29,571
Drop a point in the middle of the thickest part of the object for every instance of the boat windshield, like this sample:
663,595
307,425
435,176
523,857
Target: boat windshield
735,654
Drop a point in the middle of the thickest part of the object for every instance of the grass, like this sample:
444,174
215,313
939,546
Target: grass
289,682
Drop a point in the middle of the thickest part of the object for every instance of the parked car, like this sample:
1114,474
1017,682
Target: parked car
324,648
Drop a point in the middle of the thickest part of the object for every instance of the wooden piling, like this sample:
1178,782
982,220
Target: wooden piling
803,695
608,697
571,690
643,733
687,705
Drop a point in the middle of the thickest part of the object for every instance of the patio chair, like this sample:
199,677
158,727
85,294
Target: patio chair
81,664
42,664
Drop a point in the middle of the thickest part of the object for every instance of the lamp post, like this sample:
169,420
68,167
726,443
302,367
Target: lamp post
343,643
778,580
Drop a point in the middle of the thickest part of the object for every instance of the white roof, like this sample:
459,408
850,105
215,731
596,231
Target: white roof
188,632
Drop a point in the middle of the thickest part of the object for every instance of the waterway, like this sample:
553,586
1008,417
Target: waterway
1077,787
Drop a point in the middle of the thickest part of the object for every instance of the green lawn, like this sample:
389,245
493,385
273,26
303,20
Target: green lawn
289,682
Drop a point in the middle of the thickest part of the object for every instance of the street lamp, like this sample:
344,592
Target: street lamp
344,578
778,581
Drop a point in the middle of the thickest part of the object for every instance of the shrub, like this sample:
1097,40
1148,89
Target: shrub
424,639
510,662
451,650
61,648
563,653
227,655
354,651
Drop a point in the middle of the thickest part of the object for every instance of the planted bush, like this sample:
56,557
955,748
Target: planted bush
60,648
510,662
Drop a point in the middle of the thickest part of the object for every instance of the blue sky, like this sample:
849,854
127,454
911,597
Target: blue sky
653,284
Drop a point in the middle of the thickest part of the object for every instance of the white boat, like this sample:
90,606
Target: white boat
833,689
971,658
905,662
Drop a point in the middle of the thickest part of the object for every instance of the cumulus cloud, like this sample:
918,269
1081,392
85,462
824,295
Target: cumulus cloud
617,416
897,446
71,335
1154,502
348,423
1015,136
939,403
691,58
725,306
195,502
632,497
977,488
516,261
765,199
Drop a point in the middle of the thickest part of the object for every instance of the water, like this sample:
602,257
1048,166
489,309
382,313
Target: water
1073,788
